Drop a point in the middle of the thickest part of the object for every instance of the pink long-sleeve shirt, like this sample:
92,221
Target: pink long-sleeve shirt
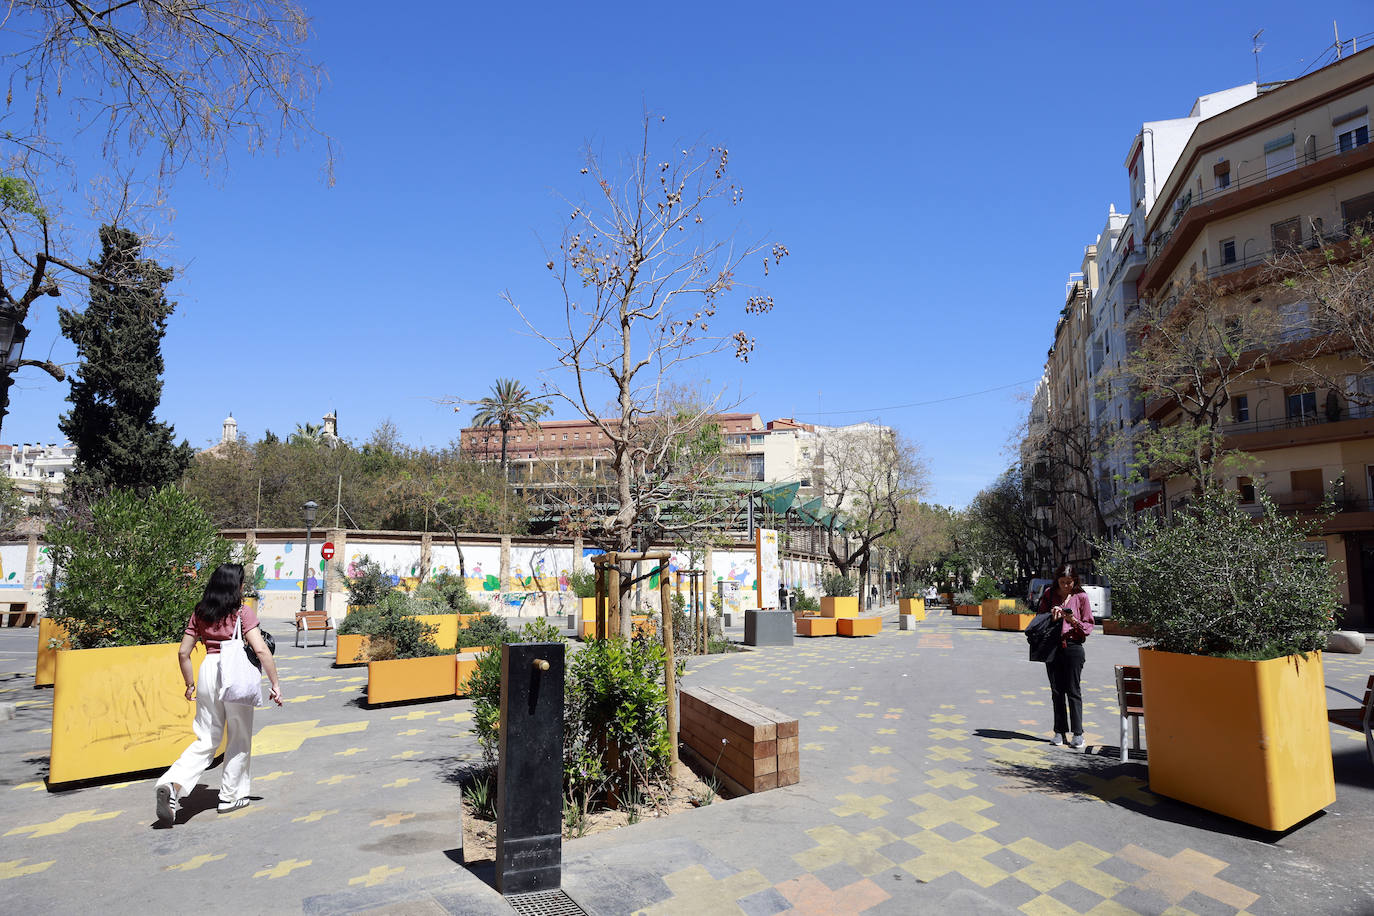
1077,626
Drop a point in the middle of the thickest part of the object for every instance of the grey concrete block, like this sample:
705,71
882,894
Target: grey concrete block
7,710
1349,642
768,628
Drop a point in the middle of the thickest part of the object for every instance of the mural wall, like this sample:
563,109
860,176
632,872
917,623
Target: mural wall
13,558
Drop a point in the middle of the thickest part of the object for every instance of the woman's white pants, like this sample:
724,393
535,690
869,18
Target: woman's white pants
213,720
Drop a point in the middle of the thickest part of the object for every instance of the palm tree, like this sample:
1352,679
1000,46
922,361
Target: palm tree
308,434
510,405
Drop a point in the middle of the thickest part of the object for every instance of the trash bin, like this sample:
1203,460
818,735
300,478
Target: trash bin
319,600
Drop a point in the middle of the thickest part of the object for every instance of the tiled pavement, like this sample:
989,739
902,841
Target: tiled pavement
928,785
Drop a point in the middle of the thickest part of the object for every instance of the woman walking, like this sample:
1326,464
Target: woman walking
214,620
1066,602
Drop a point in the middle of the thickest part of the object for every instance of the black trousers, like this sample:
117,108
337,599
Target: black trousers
1065,672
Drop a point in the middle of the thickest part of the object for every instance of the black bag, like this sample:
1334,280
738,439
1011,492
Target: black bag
1043,634
253,656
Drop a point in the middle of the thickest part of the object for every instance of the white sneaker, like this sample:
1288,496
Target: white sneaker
167,805
1076,741
225,807
1058,739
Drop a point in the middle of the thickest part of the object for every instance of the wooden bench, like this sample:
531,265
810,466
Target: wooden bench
746,746
1359,718
1131,698
312,620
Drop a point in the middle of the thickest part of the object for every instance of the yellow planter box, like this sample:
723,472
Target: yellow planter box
817,626
350,649
859,626
643,625
447,636
46,664
412,679
991,612
1016,622
467,667
841,606
588,608
119,710
1248,740
916,607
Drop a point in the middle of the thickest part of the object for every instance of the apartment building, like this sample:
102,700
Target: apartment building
1288,171
38,469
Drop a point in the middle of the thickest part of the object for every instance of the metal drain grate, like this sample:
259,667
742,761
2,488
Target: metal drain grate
545,903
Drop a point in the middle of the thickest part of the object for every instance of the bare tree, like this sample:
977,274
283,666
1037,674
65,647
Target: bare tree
1063,473
643,279
164,84
869,473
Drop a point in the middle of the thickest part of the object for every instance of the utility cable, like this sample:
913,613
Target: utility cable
953,397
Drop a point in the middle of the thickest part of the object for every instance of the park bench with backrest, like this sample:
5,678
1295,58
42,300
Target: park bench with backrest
1359,718
1131,698
310,621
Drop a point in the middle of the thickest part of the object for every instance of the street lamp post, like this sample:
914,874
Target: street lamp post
310,508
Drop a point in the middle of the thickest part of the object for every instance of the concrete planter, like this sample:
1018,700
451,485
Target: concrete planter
119,710
412,679
840,606
907,621
992,610
914,607
1248,740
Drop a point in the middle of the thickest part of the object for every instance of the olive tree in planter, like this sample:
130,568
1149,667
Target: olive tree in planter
840,598
131,570
1235,611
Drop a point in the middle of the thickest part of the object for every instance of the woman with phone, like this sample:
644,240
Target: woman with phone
1066,602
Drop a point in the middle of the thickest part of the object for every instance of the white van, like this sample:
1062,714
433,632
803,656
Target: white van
1099,596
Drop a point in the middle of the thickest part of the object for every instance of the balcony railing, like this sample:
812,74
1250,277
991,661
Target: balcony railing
1352,412
1135,257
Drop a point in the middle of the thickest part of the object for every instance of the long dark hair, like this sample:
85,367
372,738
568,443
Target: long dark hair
1067,571
223,593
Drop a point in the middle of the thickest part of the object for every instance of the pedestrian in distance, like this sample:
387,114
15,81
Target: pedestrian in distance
214,621
1068,605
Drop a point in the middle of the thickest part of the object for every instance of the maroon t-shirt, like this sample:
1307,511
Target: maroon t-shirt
214,634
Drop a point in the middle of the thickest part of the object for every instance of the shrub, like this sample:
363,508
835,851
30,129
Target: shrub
807,602
837,585
964,598
449,592
582,583
370,583
484,686
911,589
484,630
133,570
1212,580
393,628
984,589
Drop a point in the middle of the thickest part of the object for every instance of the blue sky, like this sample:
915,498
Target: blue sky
934,173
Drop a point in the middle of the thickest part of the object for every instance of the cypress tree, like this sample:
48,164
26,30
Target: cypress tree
119,382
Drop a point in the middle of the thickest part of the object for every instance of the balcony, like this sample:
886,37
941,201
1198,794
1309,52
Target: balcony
1356,422
1196,209
1128,267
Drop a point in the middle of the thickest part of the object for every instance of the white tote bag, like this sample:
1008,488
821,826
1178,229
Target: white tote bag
239,681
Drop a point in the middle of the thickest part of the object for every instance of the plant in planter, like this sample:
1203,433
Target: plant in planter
1235,611
806,602
484,630
965,603
911,603
840,598
985,588
367,582
448,593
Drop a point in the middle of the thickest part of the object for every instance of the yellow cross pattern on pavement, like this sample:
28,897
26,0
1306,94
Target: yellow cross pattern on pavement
64,823
1187,872
416,714
349,752
282,868
870,807
941,778
962,811
836,845
400,783
376,876
15,869
278,774
695,891
195,863
1076,863
948,719
392,820
967,857
302,699
314,816
289,736
949,753
948,734
334,780
882,775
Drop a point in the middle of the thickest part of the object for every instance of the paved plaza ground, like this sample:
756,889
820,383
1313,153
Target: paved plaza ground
928,784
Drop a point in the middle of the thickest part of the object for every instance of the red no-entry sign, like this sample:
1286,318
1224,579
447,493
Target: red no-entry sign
327,550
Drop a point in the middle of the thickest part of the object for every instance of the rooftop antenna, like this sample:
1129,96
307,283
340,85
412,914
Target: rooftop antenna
1337,32
1255,49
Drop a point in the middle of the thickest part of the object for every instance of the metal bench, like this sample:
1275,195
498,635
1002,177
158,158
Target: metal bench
1131,698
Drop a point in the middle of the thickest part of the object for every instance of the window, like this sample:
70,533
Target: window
1240,408
1287,234
1222,174
1306,485
1293,322
1245,487
1358,213
1302,405
1280,156
1228,251
756,438
1352,135
1309,149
